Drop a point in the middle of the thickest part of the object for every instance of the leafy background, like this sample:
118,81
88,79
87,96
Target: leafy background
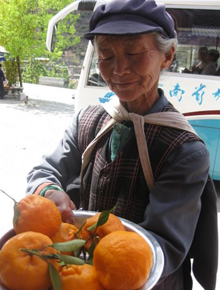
23,29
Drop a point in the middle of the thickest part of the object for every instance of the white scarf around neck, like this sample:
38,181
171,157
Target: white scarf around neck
118,113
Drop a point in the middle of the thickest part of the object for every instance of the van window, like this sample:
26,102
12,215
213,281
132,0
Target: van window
95,78
198,44
198,37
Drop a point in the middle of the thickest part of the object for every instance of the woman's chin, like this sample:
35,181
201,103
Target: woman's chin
126,95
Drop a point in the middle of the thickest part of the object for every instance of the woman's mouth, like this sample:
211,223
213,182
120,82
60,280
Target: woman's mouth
124,85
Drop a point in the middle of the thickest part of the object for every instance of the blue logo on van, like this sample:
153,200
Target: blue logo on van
106,98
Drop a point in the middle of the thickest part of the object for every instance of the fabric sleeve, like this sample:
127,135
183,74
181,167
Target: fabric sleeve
175,202
61,166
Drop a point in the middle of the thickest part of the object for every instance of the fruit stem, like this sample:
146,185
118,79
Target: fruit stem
80,229
37,253
31,252
8,196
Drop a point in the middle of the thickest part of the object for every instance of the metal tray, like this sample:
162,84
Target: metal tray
158,258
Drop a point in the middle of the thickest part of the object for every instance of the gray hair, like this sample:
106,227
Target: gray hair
163,44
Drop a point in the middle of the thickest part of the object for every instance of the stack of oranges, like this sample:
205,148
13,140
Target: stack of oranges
113,258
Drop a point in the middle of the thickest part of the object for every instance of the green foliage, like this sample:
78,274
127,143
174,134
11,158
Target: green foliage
33,70
11,71
23,27
56,70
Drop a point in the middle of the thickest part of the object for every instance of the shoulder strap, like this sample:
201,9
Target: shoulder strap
87,153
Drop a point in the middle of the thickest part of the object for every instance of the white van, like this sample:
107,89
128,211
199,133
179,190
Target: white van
196,95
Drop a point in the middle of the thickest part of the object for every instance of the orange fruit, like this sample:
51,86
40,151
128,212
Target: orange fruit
113,224
66,232
76,277
20,270
122,260
38,214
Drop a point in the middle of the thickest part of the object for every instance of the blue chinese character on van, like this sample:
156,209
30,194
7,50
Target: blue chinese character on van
177,92
199,93
217,94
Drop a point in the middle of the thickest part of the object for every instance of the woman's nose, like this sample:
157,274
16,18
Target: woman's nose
121,66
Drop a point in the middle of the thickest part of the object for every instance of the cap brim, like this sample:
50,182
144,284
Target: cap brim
122,26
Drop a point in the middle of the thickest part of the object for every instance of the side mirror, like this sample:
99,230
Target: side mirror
54,37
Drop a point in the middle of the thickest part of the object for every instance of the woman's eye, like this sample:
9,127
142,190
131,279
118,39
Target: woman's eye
132,53
105,58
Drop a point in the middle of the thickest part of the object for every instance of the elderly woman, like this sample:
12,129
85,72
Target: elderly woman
137,154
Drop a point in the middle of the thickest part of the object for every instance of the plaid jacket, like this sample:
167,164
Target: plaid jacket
121,183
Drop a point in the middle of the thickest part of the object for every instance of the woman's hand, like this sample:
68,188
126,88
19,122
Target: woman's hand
64,204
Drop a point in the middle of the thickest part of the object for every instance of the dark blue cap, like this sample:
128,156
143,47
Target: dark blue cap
129,17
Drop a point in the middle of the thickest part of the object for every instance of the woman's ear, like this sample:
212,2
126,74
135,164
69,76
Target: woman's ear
168,58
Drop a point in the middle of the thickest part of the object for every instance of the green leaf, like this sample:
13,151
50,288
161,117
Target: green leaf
90,252
55,278
77,252
92,227
16,214
70,260
90,261
61,263
103,218
69,246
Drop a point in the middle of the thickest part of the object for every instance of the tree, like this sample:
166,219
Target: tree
23,28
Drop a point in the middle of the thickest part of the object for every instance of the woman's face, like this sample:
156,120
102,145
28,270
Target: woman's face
131,67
